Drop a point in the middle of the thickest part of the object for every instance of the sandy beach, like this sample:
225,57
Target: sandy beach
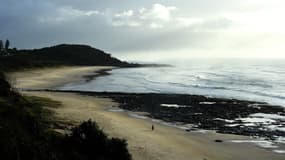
164,143
51,77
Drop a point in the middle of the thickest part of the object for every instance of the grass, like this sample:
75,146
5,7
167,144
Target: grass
26,132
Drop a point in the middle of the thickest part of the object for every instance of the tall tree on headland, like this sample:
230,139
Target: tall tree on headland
7,43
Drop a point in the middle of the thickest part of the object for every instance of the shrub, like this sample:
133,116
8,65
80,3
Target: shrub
88,141
25,133
4,86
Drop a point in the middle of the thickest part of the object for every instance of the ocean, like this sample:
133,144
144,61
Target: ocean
245,79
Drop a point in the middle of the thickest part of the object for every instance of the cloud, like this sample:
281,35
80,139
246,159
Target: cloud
128,13
125,18
161,16
155,17
222,27
159,12
157,27
65,14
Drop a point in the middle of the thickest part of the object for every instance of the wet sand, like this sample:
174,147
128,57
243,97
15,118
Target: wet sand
164,143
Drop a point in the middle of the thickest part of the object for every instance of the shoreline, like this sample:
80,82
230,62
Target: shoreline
164,143
194,113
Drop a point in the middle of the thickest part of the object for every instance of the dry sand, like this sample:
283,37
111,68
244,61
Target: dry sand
51,77
164,143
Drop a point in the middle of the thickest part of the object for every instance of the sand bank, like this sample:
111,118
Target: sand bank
164,143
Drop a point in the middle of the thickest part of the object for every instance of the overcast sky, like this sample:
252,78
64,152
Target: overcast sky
150,29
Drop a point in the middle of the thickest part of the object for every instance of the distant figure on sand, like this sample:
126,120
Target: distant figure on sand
152,127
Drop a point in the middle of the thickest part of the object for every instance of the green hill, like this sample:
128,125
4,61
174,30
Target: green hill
64,54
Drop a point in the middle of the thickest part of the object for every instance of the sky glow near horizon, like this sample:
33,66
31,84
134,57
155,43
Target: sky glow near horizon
150,29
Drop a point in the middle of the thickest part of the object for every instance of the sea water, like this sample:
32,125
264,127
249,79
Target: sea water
245,79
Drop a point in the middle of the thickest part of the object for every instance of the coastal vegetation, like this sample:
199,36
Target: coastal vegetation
27,126
26,132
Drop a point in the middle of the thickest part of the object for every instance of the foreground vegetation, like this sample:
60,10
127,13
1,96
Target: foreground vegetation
26,132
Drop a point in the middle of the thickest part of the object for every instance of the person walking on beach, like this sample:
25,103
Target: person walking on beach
152,127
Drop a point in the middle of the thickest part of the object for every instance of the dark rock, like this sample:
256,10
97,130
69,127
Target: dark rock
218,141
210,115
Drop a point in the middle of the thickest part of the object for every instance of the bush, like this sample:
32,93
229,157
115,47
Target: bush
25,133
4,86
88,142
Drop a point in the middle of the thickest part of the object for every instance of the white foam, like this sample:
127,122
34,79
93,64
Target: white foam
256,120
156,120
256,105
183,127
116,110
168,124
269,122
201,131
172,105
137,116
207,103
276,127
249,124
226,120
280,140
268,116
232,125
260,143
279,151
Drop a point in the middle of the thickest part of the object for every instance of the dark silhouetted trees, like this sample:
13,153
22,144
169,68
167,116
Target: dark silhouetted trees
1,45
7,44
4,49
